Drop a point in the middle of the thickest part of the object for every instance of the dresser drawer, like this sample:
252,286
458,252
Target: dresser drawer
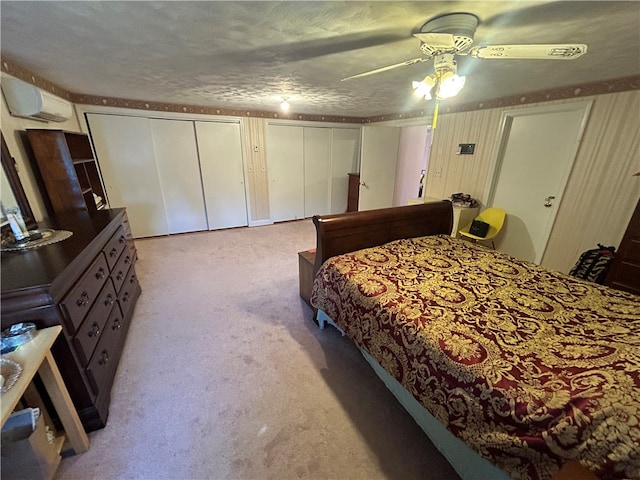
130,291
92,328
102,363
119,273
77,303
114,247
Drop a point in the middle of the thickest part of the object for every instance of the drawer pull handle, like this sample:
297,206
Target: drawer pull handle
116,325
120,276
122,239
108,300
100,273
125,297
83,300
95,331
127,260
105,358
133,279
113,252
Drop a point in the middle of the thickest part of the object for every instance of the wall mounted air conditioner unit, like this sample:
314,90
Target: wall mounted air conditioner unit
26,100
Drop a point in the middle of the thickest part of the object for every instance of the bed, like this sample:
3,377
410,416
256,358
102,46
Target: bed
529,369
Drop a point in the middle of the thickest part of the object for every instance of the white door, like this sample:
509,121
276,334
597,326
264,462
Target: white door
317,157
345,159
124,147
538,147
220,148
378,166
285,153
179,172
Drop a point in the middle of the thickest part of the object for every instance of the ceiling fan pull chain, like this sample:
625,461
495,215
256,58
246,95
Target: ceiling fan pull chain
435,115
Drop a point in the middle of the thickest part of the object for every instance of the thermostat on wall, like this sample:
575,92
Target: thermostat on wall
466,148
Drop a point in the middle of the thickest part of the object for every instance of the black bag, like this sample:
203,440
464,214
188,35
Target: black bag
593,264
479,228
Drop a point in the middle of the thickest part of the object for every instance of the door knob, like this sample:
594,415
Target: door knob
547,201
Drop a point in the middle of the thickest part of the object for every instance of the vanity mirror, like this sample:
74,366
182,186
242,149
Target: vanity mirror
12,192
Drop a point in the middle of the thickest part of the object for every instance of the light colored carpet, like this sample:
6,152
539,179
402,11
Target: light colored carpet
225,376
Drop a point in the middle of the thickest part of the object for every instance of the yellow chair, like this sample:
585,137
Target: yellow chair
494,217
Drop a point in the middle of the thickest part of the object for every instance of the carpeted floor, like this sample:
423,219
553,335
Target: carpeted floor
225,376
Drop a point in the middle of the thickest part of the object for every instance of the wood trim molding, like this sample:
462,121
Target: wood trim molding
18,71
202,110
571,91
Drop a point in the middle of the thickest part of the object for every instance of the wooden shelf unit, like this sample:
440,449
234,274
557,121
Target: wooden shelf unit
353,195
68,170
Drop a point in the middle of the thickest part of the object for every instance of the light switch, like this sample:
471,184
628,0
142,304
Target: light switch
466,148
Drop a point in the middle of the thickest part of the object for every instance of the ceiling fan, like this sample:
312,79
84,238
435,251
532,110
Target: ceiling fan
451,34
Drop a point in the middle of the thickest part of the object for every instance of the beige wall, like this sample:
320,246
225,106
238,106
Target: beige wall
256,168
13,129
601,192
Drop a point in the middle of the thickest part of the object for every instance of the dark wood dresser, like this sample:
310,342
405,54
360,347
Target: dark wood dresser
88,285
624,272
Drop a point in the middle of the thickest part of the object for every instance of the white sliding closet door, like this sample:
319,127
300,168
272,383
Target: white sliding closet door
220,148
317,166
179,173
285,152
345,159
124,147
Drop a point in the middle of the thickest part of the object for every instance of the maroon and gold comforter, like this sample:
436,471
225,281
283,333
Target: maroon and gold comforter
527,366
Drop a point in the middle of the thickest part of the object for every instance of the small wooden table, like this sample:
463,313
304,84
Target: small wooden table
35,356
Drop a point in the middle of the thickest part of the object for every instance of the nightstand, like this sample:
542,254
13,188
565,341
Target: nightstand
306,260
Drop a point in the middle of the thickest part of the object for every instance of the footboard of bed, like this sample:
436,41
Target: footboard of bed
348,232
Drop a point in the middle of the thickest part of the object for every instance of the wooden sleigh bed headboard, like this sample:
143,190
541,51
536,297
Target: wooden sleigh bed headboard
348,232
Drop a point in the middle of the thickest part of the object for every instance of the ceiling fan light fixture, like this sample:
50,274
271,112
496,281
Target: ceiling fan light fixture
284,106
450,86
423,89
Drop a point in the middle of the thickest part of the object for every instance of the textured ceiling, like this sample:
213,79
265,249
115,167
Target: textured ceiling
251,55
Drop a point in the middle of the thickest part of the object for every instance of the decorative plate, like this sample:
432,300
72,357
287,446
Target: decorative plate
10,371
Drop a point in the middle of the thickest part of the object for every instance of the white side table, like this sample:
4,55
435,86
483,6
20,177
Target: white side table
462,216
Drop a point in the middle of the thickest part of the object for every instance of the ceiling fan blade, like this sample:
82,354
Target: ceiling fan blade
437,40
567,51
413,61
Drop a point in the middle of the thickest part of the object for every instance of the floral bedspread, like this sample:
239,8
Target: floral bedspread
527,366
